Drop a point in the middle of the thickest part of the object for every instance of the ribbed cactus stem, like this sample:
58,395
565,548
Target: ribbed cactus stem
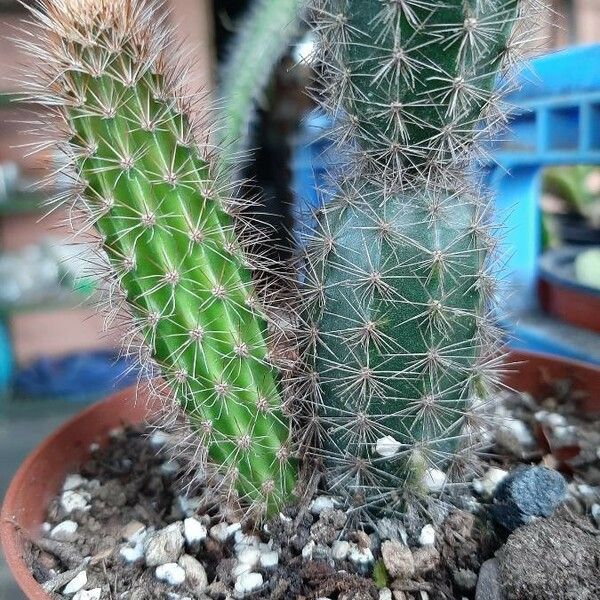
400,274
264,36
151,192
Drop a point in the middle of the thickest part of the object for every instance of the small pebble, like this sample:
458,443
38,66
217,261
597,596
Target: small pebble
193,531
71,501
387,446
426,559
195,574
340,549
433,480
132,555
596,513
307,551
170,573
360,556
427,536
385,594
465,579
46,527
159,439
223,531
77,583
513,435
133,531
164,546
246,583
249,556
65,531
490,481
74,481
320,503
94,594
269,559
525,493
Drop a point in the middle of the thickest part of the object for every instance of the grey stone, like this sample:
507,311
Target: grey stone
465,579
164,546
488,583
525,493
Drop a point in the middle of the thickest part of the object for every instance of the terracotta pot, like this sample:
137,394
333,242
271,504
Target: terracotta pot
42,473
561,295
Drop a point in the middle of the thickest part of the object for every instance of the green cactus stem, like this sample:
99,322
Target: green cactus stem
400,270
162,214
264,36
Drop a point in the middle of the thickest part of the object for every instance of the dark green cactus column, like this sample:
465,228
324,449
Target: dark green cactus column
414,76
150,191
399,279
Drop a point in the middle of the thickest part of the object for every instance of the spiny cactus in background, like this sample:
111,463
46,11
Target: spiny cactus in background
398,275
164,220
264,36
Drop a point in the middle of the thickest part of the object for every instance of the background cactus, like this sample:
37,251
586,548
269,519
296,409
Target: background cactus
264,36
399,272
164,221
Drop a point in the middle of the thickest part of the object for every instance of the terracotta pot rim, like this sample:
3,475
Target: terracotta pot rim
126,412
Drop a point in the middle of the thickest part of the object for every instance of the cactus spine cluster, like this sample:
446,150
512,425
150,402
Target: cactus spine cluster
398,269
164,222
264,36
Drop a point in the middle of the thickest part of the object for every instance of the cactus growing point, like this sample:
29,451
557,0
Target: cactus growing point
163,219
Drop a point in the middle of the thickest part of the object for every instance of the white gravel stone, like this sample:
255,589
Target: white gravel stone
360,556
246,583
170,468
170,573
94,594
193,531
188,507
385,594
71,501
243,539
94,447
46,527
223,531
132,554
321,503
307,551
427,536
159,439
74,481
77,583
515,436
434,480
133,531
340,549
269,559
65,531
249,556
195,574
240,569
164,546
387,446
489,482
285,519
